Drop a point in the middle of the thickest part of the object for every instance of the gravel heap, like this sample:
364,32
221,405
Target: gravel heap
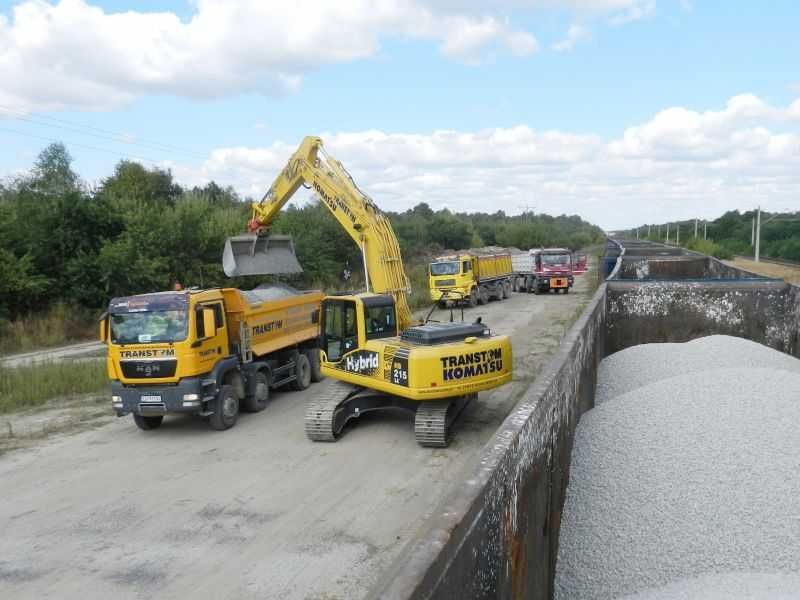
689,484
637,366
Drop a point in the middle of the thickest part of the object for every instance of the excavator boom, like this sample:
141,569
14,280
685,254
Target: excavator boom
312,167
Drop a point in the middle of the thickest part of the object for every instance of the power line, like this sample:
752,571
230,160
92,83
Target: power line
97,132
85,146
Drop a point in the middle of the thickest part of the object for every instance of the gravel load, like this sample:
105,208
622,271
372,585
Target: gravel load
689,484
636,366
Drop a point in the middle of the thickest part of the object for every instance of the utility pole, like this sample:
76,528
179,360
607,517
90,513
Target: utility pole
637,233
695,229
705,230
753,234
758,233
648,232
678,234
668,233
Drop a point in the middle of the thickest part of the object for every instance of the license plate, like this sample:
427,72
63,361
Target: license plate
559,283
150,399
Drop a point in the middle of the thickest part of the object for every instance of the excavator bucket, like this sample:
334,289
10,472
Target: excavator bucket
253,254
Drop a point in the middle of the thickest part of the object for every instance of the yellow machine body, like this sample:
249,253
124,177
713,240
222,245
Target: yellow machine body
404,368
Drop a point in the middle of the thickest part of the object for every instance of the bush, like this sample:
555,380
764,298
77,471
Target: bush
58,325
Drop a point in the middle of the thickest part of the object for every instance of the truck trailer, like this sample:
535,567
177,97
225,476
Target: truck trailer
470,278
542,270
209,352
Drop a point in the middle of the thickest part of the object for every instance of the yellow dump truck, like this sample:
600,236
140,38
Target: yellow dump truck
209,352
470,278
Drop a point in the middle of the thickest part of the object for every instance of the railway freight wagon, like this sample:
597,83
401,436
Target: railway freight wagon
209,352
497,534
470,278
542,270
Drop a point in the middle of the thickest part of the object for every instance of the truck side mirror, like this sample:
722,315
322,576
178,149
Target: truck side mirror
209,326
104,327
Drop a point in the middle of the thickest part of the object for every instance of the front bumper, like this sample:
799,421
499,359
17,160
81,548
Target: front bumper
185,397
450,295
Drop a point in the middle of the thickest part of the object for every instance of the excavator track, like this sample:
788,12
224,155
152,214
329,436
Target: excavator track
320,419
433,420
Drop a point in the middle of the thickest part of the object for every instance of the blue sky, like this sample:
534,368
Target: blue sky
388,85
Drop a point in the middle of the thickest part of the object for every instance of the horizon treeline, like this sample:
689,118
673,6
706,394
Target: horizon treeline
140,231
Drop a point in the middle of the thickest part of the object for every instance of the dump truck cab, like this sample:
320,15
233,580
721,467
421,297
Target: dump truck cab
163,349
451,277
553,269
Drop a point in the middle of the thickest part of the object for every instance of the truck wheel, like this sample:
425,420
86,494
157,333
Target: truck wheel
260,398
147,423
226,409
506,290
473,298
483,296
314,361
566,290
302,373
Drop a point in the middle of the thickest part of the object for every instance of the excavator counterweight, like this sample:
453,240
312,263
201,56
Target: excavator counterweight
254,254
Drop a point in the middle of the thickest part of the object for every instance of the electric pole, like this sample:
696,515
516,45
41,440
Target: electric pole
695,229
758,233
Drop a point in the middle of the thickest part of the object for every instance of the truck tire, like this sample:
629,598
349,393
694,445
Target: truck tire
147,423
483,296
302,373
226,409
506,290
260,398
473,298
314,361
566,290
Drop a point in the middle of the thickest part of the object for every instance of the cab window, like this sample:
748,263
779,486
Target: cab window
341,334
219,319
380,321
467,266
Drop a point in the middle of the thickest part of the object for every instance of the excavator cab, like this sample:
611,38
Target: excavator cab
258,254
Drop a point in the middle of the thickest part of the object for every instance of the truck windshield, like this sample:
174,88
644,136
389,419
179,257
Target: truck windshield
444,268
148,327
555,259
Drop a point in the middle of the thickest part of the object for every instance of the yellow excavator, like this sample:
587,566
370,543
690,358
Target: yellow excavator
369,345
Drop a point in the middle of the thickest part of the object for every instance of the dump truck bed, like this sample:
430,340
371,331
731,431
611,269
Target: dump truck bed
270,318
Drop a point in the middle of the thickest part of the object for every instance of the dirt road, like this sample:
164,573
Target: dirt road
254,512
81,350
788,272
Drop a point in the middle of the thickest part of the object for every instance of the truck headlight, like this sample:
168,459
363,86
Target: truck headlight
190,400
116,401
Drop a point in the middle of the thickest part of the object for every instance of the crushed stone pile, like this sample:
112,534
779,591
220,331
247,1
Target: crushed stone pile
685,480
634,367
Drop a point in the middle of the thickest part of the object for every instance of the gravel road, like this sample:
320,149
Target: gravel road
254,512
73,351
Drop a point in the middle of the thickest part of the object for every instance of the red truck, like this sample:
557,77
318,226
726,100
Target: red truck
542,270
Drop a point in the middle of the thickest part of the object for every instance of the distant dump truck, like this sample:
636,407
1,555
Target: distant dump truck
542,270
209,352
470,278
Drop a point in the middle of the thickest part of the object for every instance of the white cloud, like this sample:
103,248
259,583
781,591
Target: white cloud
74,55
575,34
635,12
679,164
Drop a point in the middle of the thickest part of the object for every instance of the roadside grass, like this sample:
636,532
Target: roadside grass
33,385
59,325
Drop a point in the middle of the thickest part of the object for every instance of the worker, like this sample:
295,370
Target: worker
177,287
